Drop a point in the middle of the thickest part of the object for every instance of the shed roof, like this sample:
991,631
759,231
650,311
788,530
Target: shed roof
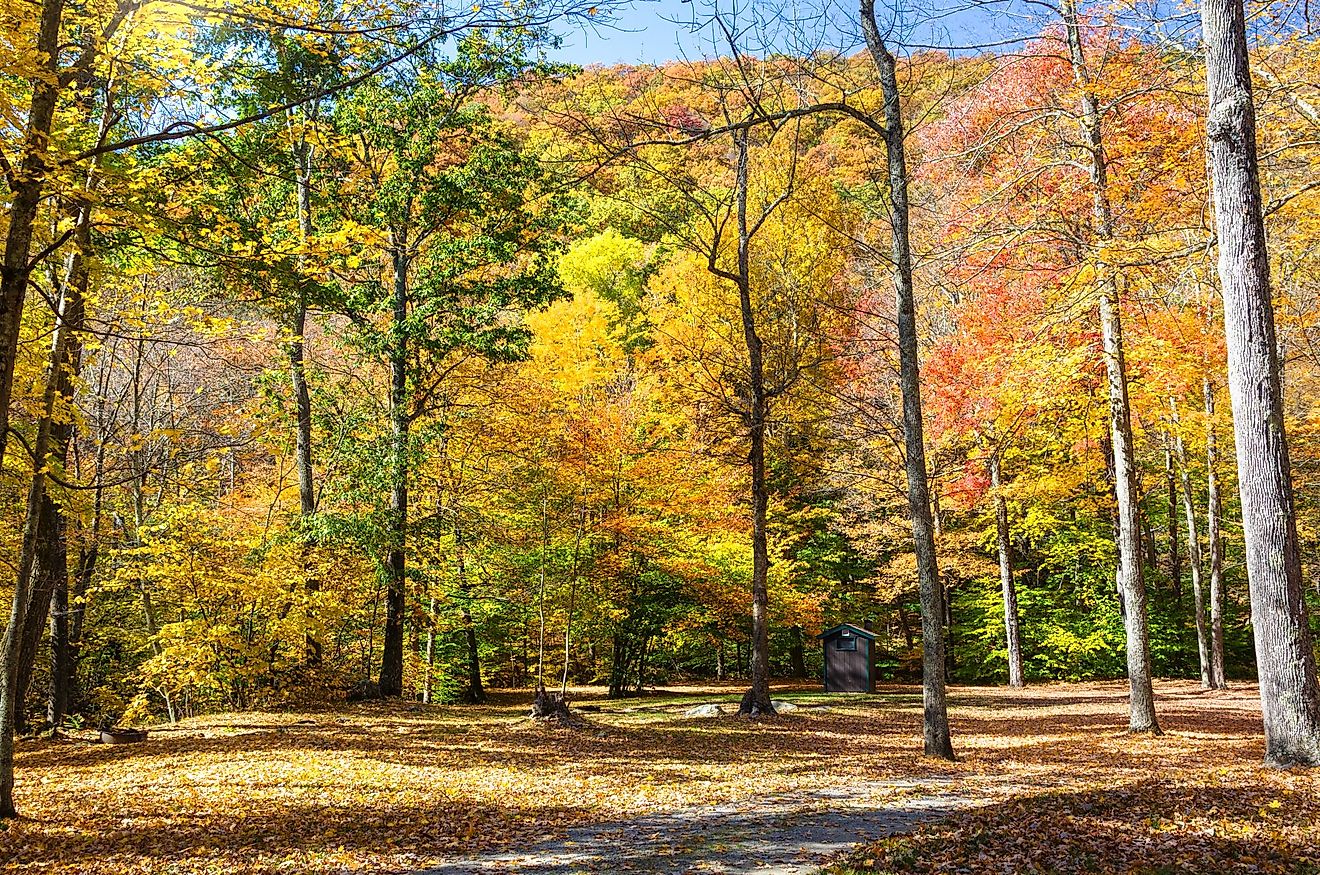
856,630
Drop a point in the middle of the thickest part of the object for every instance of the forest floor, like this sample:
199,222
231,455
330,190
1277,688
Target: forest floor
1048,779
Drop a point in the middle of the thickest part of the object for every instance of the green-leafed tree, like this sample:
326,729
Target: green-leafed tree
454,236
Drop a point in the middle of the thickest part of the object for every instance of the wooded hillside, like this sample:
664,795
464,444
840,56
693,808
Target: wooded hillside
366,352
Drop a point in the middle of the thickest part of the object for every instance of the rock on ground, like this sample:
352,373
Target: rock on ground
715,709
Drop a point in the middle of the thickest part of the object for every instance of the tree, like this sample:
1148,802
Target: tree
741,103
748,357
1193,552
756,417
38,511
1215,541
1285,658
449,203
1004,546
938,741
1130,579
42,563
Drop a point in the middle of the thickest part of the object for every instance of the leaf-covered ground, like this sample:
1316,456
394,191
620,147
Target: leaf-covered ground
1095,799
395,787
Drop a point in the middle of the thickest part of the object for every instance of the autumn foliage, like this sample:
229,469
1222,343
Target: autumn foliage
367,352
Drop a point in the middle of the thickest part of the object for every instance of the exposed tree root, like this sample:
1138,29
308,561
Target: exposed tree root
749,707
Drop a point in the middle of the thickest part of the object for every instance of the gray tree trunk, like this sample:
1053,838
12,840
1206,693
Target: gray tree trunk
1129,578
297,348
1215,542
302,398
1175,560
1285,658
1193,552
1012,636
938,740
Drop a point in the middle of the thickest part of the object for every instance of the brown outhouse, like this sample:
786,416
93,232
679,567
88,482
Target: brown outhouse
849,659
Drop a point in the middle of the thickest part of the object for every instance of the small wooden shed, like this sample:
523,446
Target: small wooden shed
849,659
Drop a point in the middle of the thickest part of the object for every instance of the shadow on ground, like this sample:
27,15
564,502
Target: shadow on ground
387,787
1144,827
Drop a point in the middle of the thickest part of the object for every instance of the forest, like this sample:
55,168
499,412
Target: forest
379,358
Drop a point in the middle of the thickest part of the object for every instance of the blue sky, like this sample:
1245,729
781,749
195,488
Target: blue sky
654,31
641,34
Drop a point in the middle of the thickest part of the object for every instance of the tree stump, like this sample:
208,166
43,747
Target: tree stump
553,707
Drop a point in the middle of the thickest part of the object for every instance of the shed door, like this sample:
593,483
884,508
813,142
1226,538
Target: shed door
849,668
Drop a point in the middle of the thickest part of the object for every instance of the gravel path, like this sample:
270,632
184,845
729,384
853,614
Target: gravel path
779,835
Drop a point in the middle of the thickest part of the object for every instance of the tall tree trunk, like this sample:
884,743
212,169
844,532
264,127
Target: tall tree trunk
303,462
51,562
391,659
475,694
1011,634
26,190
1193,553
1285,658
1175,560
66,632
302,408
1216,543
61,656
540,594
430,652
938,741
68,608
757,699
48,568
1130,581
302,398
796,658
139,469
10,646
